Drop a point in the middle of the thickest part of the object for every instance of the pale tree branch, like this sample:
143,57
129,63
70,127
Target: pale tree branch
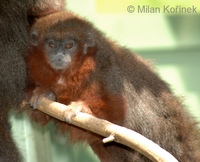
111,131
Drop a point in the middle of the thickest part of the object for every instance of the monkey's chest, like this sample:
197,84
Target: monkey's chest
67,91
61,82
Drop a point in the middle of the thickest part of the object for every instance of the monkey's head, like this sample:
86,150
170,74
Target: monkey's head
62,37
59,51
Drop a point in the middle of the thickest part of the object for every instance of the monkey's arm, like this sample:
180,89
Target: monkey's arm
33,96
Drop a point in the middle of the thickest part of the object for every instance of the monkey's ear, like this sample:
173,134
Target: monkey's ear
34,38
90,45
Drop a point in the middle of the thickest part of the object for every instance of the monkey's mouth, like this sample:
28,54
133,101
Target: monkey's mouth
60,64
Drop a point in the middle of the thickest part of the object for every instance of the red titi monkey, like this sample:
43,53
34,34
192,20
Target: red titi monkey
77,63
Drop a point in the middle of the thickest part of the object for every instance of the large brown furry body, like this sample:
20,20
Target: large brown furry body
16,18
116,85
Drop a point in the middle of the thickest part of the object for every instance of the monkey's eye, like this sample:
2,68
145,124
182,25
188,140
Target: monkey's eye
69,45
52,45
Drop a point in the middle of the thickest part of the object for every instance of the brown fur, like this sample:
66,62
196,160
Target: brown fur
116,85
15,19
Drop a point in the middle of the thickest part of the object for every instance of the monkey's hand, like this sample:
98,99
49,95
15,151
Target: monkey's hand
74,108
38,93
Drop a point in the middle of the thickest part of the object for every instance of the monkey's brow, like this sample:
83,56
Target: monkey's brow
60,36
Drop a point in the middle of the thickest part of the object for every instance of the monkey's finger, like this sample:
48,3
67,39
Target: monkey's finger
50,95
35,100
73,111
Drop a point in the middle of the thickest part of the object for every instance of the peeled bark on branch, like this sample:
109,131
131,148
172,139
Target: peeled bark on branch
111,131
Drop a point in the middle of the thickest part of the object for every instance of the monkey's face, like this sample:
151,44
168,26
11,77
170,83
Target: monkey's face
60,52
62,40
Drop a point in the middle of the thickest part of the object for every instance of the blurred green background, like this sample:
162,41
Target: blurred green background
172,41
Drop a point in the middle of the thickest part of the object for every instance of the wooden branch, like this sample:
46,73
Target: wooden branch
112,131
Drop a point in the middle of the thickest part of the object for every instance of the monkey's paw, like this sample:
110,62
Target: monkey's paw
38,93
73,109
